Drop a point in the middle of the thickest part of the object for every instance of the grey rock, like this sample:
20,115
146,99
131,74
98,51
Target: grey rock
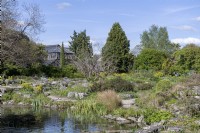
27,95
76,95
126,106
71,94
110,117
121,120
54,83
141,121
86,85
197,122
126,96
175,129
133,119
197,97
128,102
154,128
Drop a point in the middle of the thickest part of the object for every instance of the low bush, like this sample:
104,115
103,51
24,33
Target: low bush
144,86
27,86
163,85
7,96
158,74
109,99
38,89
152,115
117,84
17,98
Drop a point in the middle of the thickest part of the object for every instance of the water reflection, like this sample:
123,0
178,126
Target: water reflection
18,119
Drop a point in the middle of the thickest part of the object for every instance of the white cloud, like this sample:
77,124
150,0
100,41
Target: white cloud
188,40
126,14
197,18
180,9
63,5
185,27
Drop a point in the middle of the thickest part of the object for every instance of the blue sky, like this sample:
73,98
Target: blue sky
181,17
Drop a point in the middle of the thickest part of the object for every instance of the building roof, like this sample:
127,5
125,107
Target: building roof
57,49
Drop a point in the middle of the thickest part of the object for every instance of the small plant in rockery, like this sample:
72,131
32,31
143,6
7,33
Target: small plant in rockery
163,85
7,96
38,89
27,86
158,74
152,115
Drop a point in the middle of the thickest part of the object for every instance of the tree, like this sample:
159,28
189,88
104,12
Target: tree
184,60
157,38
115,53
16,31
62,56
150,59
80,44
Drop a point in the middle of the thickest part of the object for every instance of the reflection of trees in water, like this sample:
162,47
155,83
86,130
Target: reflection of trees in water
21,117
25,120
56,120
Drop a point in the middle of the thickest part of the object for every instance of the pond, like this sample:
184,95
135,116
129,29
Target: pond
32,120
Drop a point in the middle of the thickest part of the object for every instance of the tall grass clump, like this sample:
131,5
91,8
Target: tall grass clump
89,108
109,99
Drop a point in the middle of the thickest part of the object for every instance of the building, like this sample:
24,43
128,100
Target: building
53,57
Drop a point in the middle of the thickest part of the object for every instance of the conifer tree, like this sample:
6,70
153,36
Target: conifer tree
80,44
115,53
62,56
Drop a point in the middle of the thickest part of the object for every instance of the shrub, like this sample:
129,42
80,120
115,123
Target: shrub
27,86
109,99
38,89
71,71
7,96
144,86
158,74
150,59
163,85
117,84
17,98
152,115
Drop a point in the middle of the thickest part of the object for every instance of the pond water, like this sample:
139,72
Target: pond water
31,120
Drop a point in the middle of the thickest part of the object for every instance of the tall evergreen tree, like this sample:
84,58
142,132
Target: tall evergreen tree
62,56
115,53
80,44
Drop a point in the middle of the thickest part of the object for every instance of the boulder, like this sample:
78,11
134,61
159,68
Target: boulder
141,121
154,128
110,117
175,129
128,103
71,94
122,120
126,96
133,119
76,95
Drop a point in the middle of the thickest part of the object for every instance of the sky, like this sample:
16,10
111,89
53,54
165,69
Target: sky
181,17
